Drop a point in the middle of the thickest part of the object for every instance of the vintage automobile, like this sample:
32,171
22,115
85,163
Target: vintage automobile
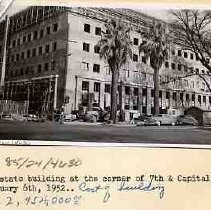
146,120
186,120
96,114
166,119
7,117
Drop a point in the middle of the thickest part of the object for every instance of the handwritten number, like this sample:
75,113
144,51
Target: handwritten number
53,163
9,202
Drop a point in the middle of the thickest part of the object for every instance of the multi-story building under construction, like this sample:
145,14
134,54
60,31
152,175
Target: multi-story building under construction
53,61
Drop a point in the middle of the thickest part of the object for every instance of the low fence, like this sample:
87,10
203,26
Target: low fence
13,107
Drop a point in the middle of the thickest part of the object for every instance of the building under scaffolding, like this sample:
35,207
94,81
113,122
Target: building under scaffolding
39,93
32,72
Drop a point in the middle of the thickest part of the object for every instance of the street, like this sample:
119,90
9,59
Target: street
85,132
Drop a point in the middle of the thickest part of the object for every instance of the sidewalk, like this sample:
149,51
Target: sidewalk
98,123
206,127
81,123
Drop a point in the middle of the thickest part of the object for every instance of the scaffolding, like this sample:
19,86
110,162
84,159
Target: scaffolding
38,94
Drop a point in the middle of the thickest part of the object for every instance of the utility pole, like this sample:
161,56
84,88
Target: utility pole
3,69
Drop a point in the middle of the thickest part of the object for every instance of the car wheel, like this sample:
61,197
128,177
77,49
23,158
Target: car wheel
173,123
94,119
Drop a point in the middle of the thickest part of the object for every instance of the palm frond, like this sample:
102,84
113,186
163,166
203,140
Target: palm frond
156,47
115,44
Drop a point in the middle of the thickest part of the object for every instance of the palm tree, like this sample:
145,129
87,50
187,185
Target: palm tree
115,48
155,46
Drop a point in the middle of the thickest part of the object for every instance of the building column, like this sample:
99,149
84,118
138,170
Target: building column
184,100
28,96
204,103
15,91
200,103
207,102
163,99
140,99
11,91
55,93
148,100
90,95
170,99
102,92
180,100
193,101
7,87
196,100
123,97
131,97
78,92
177,99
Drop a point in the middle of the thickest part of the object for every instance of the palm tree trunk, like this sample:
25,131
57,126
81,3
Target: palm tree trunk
114,95
121,118
156,92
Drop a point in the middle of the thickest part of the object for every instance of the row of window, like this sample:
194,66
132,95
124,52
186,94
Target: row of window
96,67
34,52
107,88
85,86
87,28
181,67
186,55
186,82
182,96
135,58
35,35
191,84
86,47
34,69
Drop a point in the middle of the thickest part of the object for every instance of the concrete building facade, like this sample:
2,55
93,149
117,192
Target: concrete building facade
53,61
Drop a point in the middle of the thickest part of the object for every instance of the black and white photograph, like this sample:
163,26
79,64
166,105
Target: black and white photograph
105,74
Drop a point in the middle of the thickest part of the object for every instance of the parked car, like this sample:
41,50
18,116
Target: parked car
94,115
186,120
31,117
166,119
141,118
69,117
7,117
147,120
19,117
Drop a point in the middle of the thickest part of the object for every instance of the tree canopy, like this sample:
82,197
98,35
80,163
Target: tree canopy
156,44
192,31
115,45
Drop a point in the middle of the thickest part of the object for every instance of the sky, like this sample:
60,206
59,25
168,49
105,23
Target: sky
158,13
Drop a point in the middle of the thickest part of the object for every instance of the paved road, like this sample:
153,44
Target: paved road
104,133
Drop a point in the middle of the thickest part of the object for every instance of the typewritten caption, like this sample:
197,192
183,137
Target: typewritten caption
53,189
